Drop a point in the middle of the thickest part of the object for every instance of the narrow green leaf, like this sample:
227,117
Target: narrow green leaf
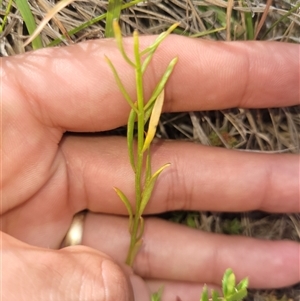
154,119
130,133
136,47
120,84
159,39
249,25
152,48
7,11
118,36
29,20
204,295
113,13
139,90
149,188
126,202
161,84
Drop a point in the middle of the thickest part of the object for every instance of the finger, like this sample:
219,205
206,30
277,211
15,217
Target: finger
209,75
74,273
177,253
199,177
178,291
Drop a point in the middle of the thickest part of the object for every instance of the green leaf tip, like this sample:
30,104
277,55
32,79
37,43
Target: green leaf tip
125,201
118,37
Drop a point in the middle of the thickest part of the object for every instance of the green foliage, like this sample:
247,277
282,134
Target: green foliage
231,291
141,112
28,18
7,11
232,226
113,12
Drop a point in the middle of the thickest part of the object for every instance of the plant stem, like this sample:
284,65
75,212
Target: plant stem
140,156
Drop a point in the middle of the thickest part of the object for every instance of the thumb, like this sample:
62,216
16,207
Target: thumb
74,273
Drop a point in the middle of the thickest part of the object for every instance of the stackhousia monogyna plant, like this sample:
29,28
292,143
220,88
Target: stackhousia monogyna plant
143,113
148,113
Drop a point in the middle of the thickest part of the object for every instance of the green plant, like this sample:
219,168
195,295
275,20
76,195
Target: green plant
144,112
113,13
7,11
231,291
24,8
148,112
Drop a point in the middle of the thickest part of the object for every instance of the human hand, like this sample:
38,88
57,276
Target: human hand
48,176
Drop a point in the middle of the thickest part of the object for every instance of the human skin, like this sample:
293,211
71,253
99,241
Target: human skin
48,174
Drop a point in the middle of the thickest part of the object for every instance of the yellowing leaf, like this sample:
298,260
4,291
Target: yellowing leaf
154,119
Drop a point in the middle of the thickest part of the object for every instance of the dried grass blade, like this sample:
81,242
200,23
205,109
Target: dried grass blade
228,20
294,9
90,22
58,7
59,24
263,18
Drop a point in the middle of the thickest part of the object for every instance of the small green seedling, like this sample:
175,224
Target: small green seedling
230,291
143,112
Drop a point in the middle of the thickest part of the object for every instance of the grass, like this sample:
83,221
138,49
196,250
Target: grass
266,130
29,21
